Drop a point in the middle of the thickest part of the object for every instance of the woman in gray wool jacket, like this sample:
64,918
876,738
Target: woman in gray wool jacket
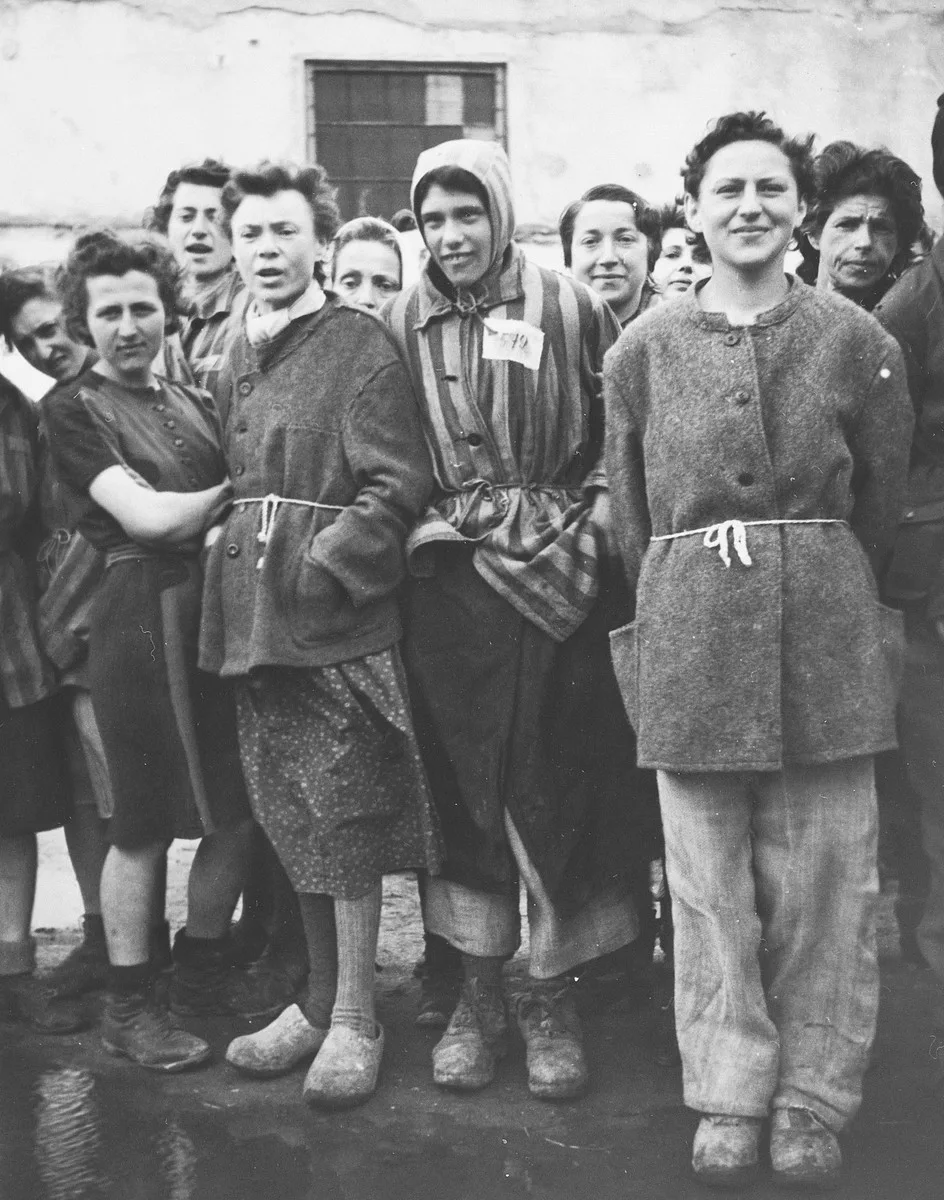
756,446
329,471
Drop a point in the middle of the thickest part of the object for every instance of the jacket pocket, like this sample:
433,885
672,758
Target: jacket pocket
320,608
891,624
624,651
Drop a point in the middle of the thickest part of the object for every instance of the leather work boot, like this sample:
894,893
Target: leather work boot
275,1050
804,1152
550,1026
85,968
345,1070
134,1027
476,1037
207,983
26,998
724,1153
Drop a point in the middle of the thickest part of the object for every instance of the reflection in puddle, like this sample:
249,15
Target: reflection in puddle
178,1158
68,1134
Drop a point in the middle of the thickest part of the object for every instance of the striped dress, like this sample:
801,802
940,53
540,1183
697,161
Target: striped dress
513,448
515,701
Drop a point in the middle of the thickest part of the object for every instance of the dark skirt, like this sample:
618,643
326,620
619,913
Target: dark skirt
168,729
33,792
508,718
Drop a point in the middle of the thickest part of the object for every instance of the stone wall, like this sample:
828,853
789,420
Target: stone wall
100,98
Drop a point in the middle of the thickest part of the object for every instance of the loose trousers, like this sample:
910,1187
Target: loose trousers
774,885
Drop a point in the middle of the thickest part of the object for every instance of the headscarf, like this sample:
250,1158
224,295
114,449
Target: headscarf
488,162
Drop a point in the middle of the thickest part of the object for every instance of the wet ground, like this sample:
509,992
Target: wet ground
77,1124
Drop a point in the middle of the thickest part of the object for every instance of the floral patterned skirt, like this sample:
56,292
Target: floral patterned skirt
334,773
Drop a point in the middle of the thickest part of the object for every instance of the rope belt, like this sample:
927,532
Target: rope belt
270,507
716,536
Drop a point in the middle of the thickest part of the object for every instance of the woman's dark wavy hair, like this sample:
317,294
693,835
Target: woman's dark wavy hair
366,229
270,178
647,217
672,216
844,169
18,287
209,173
105,252
750,127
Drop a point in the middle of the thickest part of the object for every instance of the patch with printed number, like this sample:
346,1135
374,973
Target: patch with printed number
513,341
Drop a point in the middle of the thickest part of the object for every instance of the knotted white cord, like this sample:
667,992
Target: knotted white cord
270,507
716,536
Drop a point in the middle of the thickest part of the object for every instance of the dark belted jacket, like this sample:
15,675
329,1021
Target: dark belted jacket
324,414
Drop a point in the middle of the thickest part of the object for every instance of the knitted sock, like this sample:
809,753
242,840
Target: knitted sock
486,971
358,924
93,929
196,952
322,939
126,980
17,958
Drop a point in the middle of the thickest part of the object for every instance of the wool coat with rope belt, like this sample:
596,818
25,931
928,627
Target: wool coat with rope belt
717,536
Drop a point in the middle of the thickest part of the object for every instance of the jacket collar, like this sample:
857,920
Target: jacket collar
266,356
438,299
220,299
718,322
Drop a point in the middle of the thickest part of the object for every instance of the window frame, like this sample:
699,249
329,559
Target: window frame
497,70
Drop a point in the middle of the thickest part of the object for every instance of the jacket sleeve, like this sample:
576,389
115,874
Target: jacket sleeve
880,443
624,460
386,452
903,312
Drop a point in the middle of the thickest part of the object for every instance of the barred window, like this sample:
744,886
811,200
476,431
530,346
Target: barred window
369,121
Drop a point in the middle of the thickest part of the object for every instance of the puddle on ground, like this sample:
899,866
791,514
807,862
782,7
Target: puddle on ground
67,1134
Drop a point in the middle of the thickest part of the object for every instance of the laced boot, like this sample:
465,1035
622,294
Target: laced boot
24,997
85,968
207,983
465,1057
804,1152
725,1152
548,1020
134,1027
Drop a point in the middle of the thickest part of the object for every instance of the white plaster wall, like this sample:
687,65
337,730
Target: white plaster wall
100,98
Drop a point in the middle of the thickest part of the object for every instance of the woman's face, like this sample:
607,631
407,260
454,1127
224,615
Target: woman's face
39,333
366,274
748,206
125,317
610,255
276,247
676,269
199,244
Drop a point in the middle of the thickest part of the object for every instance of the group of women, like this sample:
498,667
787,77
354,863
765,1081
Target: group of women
243,637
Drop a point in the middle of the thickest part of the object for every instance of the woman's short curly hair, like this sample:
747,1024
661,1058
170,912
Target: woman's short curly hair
209,173
105,252
647,217
844,169
750,127
270,178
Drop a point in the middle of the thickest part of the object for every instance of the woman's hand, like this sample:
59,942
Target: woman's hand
600,515
212,536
